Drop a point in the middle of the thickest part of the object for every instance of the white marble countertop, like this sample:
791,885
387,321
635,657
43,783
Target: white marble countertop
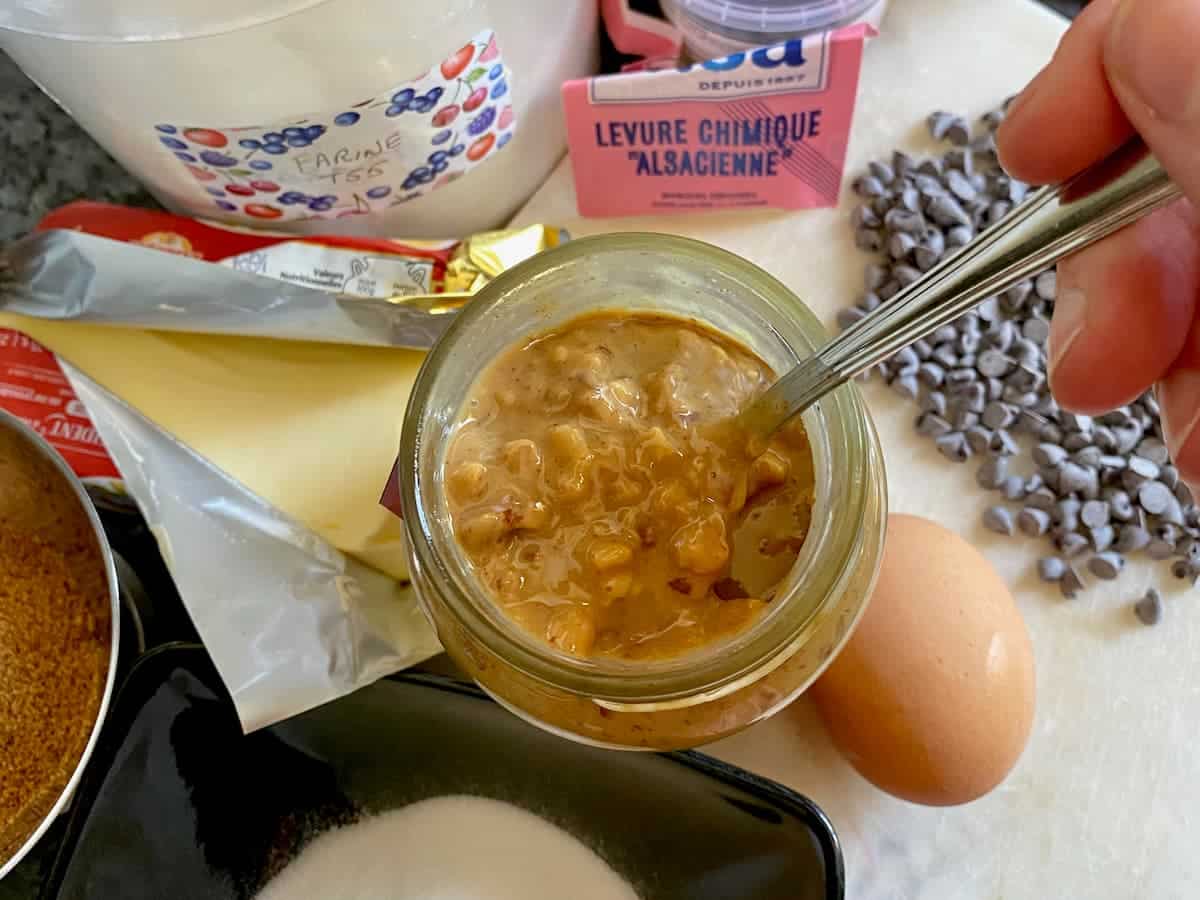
1101,804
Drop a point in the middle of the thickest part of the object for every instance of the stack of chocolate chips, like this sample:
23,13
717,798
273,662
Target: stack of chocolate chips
1096,488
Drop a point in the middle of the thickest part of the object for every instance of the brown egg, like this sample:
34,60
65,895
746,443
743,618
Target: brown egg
932,698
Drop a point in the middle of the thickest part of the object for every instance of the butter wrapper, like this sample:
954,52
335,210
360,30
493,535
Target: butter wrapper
113,265
289,621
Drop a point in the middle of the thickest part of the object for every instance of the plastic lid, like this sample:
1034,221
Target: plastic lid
775,17
141,20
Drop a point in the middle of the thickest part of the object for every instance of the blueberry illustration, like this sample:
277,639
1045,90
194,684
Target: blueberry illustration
441,165
328,198
173,143
495,71
499,89
216,192
403,96
422,105
457,149
213,158
482,122
298,141
260,164
274,149
320,206
293,131
438,156
291,198
312,132
166,129
435,94
226,205
272,137
504,139
441,137
377,193
423,174
394,110
346,118
186,157
409,183
250,144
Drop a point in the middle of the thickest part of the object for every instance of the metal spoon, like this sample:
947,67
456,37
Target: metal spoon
1054,222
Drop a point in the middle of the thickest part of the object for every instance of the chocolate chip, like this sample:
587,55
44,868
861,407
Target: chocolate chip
1106,565
1051,568
1155,497
1033,522
1070,584
1150,608
998,519
1131,538
992,473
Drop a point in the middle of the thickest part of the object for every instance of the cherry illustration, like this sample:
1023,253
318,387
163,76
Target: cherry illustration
452,66
480,148
263,211
206,137
445,115
476,99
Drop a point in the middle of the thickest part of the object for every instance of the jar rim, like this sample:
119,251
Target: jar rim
827,558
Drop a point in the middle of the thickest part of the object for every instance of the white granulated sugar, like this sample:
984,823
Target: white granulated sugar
449,848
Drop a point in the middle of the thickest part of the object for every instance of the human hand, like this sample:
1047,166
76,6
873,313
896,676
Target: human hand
1126,314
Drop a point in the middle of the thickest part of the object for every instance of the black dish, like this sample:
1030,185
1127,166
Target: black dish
178,803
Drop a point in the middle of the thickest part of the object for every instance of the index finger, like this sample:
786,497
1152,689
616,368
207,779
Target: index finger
1067,118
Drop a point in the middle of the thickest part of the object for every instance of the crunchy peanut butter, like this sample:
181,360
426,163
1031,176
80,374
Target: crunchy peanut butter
607,499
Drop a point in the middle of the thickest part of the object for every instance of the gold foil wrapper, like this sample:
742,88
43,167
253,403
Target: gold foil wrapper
479,259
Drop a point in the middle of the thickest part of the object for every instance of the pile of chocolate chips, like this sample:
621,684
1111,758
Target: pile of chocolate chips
1097,489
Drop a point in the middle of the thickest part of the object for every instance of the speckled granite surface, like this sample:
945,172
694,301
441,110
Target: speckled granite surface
47,160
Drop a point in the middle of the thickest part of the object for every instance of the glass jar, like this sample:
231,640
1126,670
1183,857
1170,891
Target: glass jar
717,28
718,689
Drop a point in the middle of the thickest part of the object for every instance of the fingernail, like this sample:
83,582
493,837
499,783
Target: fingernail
1070,314
1022,100
1152,52
1179,405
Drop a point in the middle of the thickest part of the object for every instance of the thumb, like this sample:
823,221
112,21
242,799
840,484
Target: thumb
1152,59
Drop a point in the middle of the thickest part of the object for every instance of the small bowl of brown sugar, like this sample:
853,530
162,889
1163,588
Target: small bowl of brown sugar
58,635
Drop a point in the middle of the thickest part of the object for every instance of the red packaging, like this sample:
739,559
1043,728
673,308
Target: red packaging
364,267
33,388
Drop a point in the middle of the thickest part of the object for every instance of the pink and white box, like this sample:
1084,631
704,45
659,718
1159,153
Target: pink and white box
764,128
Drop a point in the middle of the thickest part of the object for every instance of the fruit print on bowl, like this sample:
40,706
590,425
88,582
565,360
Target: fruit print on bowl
364,157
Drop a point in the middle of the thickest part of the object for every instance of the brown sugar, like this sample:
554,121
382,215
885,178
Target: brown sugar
55,638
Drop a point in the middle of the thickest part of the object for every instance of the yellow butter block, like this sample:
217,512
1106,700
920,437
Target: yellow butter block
311,428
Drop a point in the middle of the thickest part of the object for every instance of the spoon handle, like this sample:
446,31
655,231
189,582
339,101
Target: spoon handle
1054,222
